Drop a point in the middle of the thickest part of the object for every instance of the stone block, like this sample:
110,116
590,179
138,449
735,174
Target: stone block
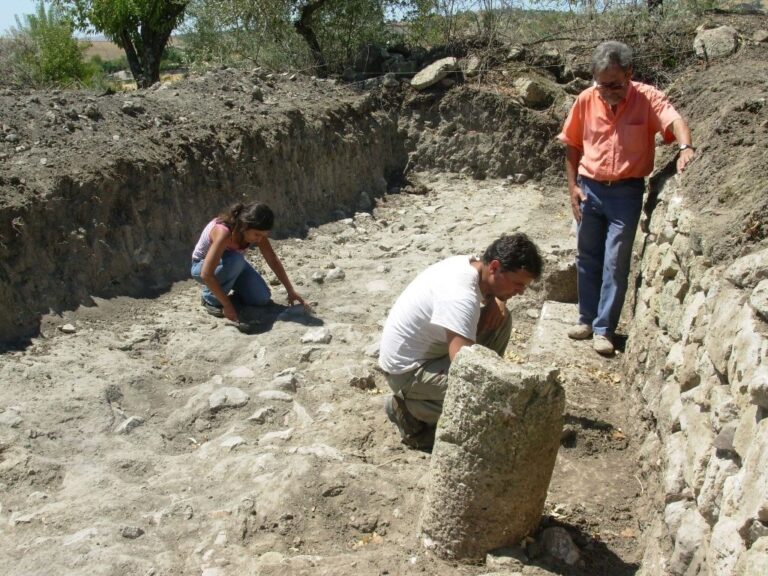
433,73
675,487
710,496
725,547
754,560
533,92
716,42
745,431
698,444
560,280
691,538
752,499
687,372
495,449
748,361
722,303
670,407
674,512
692,318
759,300
749,270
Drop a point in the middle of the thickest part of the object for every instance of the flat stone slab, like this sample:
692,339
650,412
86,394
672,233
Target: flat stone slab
433,73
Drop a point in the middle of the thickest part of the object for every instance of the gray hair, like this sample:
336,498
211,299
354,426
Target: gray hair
609,54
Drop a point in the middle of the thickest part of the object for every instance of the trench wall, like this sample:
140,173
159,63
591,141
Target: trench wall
130,229
483,134
697,363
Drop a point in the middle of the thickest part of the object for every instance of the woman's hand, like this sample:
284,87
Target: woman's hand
293,296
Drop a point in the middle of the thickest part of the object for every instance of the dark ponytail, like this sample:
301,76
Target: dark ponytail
241,217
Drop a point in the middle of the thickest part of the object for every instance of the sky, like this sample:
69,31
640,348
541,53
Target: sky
10,7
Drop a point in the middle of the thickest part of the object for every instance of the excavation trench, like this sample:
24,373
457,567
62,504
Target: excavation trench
118,217
317,482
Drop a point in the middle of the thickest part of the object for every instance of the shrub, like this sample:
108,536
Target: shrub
42,51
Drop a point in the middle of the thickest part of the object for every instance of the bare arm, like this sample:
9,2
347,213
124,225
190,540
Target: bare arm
276,266
572,159
492,316
456,343
208,271
683,136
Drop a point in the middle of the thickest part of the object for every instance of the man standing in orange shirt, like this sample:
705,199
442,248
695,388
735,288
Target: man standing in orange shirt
609,137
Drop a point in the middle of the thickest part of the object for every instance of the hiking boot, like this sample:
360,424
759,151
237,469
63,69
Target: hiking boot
212,309
424,440
603,345
408,426
580,332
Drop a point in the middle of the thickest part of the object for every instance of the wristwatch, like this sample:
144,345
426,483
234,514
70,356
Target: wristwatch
686,147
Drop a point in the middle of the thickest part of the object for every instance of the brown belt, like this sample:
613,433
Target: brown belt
618,182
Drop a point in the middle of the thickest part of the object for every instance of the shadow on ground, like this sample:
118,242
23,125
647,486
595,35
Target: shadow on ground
260,319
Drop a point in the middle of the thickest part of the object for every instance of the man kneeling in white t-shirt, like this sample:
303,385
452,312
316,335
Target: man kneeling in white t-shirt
451,304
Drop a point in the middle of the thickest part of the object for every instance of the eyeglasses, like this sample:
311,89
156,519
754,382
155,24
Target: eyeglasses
611,86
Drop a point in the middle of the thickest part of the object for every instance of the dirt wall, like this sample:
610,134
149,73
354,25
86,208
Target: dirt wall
128,226
483,134
106,194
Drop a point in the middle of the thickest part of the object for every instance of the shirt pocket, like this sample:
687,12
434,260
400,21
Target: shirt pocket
633,138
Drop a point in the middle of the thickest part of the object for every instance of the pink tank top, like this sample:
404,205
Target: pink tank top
204,243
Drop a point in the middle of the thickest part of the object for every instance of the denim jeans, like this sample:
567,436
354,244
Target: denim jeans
609,218
235,274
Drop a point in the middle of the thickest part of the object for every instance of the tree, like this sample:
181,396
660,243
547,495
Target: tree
140,27
330,30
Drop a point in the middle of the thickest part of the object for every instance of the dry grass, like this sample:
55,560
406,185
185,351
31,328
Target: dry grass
105,49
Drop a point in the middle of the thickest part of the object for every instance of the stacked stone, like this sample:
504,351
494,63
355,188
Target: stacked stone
495,450
698,358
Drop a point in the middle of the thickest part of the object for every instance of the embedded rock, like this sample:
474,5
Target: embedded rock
433,73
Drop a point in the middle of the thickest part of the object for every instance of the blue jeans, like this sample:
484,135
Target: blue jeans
609,218
235,274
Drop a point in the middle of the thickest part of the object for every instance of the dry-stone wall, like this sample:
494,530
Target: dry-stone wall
697,360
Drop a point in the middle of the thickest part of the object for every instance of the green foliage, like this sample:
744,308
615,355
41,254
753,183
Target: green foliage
141,27
109,66
343,27
263,31
45,50
234,31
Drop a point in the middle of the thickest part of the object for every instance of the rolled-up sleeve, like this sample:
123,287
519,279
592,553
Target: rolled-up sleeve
665,113
572,133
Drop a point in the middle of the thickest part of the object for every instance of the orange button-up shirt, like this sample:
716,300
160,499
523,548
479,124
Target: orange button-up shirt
620,145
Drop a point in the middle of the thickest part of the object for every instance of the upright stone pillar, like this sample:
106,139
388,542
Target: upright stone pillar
494,453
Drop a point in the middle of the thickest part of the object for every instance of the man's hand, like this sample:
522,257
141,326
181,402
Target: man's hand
493,315
577,197
229,312
684,158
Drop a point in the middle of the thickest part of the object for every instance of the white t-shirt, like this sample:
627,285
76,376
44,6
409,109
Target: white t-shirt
444,296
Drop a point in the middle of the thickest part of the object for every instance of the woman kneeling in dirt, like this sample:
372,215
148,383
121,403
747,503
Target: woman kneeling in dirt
218,262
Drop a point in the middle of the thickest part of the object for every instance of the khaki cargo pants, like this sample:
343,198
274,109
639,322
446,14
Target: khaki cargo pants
424,388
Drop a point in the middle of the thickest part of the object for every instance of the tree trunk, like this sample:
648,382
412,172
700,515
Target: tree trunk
304,27
153,44
133,58
144,46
